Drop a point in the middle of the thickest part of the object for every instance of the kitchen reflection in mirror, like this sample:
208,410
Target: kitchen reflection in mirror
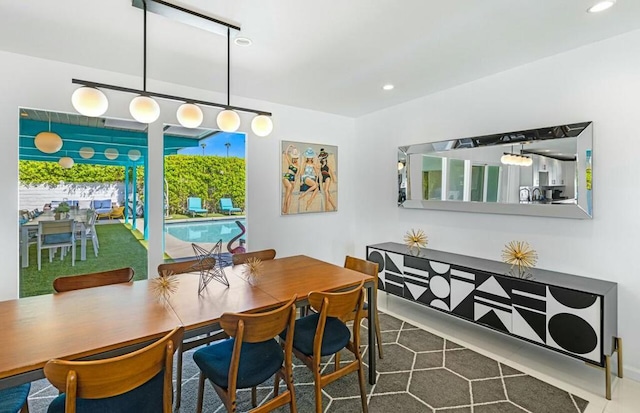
543,172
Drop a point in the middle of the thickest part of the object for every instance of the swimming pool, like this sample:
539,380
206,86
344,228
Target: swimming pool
205,231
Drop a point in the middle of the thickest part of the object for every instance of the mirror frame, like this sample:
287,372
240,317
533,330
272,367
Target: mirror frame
583,209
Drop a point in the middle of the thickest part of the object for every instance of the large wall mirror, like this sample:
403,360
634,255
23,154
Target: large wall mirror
541,172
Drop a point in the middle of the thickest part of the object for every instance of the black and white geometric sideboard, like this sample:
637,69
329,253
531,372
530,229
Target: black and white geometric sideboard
573,315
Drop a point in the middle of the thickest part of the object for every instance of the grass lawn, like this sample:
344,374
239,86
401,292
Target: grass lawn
119,247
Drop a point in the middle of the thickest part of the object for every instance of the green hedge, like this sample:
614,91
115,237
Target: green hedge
206,177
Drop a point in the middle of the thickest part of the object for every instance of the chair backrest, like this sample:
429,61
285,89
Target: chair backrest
263,255
96,279
337,304
62,226
180,267
193,202
99,379
226,203
360,265
255,328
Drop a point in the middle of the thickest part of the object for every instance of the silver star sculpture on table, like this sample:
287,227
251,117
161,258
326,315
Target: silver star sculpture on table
209,267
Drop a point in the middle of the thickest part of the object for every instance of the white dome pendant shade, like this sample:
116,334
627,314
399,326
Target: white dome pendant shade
48,142
86,152
262,125
111,153
144,109
228,121
89,101
189,115
66,162
134,154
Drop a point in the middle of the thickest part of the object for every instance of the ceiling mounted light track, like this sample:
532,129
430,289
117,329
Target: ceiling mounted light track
89,100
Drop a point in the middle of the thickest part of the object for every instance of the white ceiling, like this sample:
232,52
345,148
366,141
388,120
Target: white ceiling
331,55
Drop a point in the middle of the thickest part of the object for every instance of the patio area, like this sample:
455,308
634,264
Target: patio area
119,247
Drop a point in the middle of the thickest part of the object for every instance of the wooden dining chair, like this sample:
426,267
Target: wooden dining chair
179,267
250,357
183,267
139,382
262,255
14,399
56,234
323,333
369,268
95,279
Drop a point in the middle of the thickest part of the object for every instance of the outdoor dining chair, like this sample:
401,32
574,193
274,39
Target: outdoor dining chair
139,382
89,229
56,234
249,358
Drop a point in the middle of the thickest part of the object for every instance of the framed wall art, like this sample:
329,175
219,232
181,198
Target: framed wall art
309,178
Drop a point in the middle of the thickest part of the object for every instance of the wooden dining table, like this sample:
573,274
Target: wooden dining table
115,319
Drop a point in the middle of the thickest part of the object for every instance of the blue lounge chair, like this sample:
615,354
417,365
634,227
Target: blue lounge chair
194,206
227,206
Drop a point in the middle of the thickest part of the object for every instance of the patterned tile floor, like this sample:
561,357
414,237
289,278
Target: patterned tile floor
420,372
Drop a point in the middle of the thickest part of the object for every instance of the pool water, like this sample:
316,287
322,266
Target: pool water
205,231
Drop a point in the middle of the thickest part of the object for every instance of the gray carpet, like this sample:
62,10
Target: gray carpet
420,372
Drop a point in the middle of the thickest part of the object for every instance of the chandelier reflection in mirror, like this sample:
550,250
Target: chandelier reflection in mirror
89,100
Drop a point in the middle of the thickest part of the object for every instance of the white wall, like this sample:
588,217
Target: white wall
599,83
44,84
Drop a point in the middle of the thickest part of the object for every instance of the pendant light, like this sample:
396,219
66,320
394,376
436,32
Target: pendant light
111,153
228,120
66,162
262,125
47,141
143,108
89,101
189,115
86,152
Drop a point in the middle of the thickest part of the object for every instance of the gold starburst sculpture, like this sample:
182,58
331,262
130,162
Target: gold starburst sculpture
415,239
165,285
253,268
519,254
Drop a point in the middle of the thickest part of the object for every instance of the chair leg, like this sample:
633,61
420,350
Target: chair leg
200,393
363,389
378,334
25,407
337,362
318,391
179,377
73,254
288,379
39,258
254,397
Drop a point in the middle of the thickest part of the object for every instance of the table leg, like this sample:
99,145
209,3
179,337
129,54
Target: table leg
373,304
83,245
24,250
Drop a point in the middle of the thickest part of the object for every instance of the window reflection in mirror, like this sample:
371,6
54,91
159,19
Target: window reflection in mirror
532,172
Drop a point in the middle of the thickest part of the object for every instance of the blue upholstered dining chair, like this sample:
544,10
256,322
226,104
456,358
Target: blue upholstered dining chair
250,357
14,399
139,382
323,333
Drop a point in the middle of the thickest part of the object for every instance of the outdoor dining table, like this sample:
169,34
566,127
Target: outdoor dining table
80,218
115,319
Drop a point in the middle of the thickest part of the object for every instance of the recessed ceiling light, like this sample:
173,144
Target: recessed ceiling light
601,6
242,41
388,87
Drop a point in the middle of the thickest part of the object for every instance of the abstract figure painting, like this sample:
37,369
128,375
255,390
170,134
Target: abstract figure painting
309,178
